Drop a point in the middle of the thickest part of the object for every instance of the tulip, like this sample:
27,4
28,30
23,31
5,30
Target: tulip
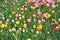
29,20
7,20
43,20
39,22
53,6
59,20
52,24
48,5
39,13
56,29
34,15
17,15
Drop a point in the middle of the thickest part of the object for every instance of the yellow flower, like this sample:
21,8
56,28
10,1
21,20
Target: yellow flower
47,15
15,25
14,29
23,16
33,7
29,39
2,25
28,1
34,26
53,11
5,25
17,8
13,12
17,22
25,25
40,26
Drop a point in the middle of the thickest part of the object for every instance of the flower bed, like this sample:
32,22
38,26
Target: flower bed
30,20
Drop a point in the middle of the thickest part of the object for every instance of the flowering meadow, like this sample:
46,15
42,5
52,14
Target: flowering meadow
29,19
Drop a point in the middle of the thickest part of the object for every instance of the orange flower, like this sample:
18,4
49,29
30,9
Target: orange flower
39,27
56,23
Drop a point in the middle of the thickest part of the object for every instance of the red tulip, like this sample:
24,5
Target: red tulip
31,15
56,29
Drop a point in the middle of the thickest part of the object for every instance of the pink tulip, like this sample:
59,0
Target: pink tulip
43,0
50,1
58,20
17,15
43,20
53,2
7,20
39,13
43,3
37,6
31,0
53,6
38,0
39,22
34,15
34,1
58,0
29,20
48,5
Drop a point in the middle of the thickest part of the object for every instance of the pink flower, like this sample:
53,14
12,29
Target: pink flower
34,15
43,0
29,20
39,22
39,13
31,0
37,5
50,1
58,0
34,0
43,3
17,15
53,6
7,20
53,2
48,5
43,20
38,0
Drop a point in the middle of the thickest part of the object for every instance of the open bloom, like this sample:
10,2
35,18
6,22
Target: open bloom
46,15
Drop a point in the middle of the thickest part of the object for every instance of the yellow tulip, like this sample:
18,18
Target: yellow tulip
17,22
33,7
29,39
25,25
53,11
13,12
5,25
28,1
34,26
2,25
40,26
14,29
23,16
